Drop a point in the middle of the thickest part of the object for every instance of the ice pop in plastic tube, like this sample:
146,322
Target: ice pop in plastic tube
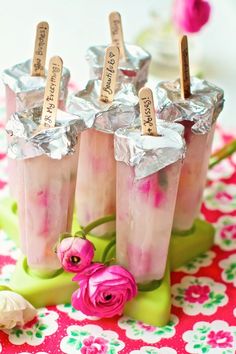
96,185
148,170
25,84
44,141
198,113
134,60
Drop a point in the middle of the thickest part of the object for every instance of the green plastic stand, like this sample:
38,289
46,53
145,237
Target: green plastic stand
41,292
184,247
151,307
9,220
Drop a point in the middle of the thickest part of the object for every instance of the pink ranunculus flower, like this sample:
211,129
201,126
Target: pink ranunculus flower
190,16
197,293
104,290
92,345
75,253
220,339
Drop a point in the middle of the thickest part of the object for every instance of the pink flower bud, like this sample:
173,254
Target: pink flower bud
104,290
190,15
75,253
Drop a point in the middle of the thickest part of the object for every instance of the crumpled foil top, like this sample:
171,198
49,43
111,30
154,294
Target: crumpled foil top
30,89
105,116
57,142
202,107
149,154
134,68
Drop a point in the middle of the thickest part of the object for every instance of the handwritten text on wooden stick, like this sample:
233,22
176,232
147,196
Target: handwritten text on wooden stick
109,74
40,50
184,67
147,111
51,94
117,32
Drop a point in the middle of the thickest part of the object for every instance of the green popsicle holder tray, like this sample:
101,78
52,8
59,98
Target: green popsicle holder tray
152,307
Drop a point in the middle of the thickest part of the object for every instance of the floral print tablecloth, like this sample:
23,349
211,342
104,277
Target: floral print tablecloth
203,316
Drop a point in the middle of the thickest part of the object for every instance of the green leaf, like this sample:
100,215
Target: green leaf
160,332
168,329
29,333
208,305
83,333
190,266
71,341
112,351
178,297
130,321
203,329
18,332
211,295
230,276
78,346
197,346
42,327
227,242
41,315
74,333
38,335
67,305
180,290
205,349
115,343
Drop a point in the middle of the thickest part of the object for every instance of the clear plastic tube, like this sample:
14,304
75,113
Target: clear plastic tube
193,178
46,192
145,210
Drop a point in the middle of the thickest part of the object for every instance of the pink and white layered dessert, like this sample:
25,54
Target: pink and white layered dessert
198,114
47,169
148,170
96,186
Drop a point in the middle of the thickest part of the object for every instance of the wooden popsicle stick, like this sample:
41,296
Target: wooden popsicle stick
117,32
147,111
184,67
109,74
40,50
51,94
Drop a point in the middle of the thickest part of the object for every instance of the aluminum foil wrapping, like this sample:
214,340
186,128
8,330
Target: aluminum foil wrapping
106,117
29,89
55,142
202,108
134,69
149,154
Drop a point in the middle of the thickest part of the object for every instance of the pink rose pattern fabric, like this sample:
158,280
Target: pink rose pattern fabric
207,325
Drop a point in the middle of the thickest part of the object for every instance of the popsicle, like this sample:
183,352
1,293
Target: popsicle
25,82
44,141
196,105
148,170
24,87
134,60
105,108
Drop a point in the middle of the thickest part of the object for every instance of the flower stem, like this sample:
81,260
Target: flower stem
226,151
107,249
98,222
